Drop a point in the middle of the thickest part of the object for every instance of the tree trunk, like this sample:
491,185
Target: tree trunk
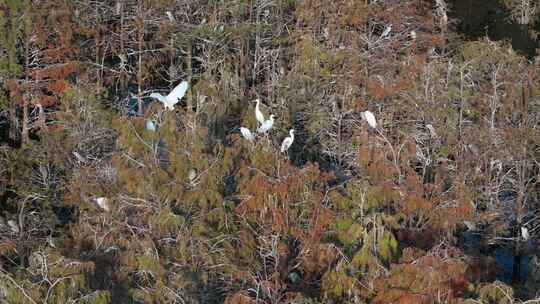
24,134
140,37
189,98
13,121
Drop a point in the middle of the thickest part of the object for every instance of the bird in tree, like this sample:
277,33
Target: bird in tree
14,226
150,125
246,133
258,114
288,141
102,202
174,96
525,233
386,31
266,125
370,118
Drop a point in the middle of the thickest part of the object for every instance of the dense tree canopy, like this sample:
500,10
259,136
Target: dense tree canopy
427,207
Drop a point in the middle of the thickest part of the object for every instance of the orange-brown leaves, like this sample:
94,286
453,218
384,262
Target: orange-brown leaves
238,298
439,273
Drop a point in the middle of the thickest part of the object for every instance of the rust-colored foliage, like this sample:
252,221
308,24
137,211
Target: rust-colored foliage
238,298
441,272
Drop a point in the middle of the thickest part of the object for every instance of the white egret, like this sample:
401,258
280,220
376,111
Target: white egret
79,157
431,129
150,125
174,96
287,142
370,118
170,16
103,203
266,125
258,114
192,174
413,35
13,225
386,31
247,134
525,233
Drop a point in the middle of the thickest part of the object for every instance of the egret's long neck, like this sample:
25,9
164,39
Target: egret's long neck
292,134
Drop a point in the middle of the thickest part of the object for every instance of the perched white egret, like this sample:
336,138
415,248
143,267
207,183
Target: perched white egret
51,241
370,118
13,225
192,174
170,16
266,125
247,134
413,35
287,142
525,233
431,129
258,114
386,31
103,203
174,96
150,125
79,157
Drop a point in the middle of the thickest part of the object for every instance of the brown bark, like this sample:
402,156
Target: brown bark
140,40
24,134
189,97
13,121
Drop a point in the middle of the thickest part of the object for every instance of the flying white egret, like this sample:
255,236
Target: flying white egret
174,96
266,125
370,118
103,203
247,134
258,114
287,142
150,125
525,233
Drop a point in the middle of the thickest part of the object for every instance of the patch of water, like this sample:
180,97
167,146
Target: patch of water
476,19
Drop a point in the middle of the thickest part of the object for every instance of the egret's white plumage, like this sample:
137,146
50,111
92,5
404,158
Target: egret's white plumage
287,142
431,130
13,225
525,233
150,125
79,157
170,16
192,174
102,203
386,31
266,125
370,118
247,134
258,114
174,96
